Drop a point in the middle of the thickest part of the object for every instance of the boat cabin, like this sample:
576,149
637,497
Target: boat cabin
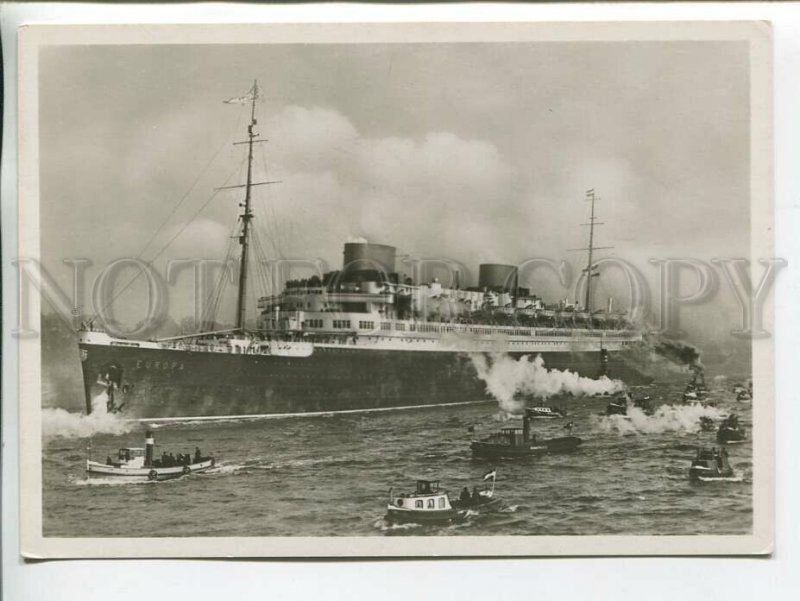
427,496
711,457
131,457
512,437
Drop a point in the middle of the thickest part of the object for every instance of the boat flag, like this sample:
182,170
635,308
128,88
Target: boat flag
490,475
239,99
246,99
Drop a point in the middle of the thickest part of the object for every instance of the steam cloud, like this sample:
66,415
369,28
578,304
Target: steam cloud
667,418
61,423
505,378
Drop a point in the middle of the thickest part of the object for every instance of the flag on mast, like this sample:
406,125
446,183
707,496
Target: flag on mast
490,475
240,99
246,99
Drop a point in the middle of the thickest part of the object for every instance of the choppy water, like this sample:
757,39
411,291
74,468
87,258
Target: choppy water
326,476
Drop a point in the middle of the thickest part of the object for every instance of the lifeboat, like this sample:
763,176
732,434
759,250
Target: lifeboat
546,412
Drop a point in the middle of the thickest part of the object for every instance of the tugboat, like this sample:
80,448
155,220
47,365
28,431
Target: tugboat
619,406
744,394
138,465
429,504
709,465
696,388
520,442
546,412
730,431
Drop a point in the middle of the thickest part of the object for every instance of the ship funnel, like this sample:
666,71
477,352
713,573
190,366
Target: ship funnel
149,446
497,278
363,256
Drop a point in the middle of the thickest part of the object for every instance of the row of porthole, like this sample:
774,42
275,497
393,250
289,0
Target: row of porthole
419,504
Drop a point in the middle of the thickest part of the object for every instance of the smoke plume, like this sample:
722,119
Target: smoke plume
506,378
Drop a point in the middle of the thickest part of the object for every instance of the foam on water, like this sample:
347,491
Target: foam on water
61,423
667,418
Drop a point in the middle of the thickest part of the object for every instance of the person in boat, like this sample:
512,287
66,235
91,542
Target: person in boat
108,460
465,496
476,496
164,459
197,454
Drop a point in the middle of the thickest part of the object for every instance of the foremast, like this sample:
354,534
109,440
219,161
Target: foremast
247,215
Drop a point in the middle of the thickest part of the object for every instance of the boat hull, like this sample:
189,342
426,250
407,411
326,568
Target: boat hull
154,383
701,473
398,515
731,436
95,469
492,450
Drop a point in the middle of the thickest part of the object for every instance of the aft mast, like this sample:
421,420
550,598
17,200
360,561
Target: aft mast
591,268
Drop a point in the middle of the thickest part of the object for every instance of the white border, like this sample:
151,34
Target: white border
32,38
625,579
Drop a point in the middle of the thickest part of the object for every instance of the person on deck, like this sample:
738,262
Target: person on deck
464,498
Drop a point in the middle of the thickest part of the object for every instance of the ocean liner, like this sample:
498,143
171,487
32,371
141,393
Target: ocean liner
361,338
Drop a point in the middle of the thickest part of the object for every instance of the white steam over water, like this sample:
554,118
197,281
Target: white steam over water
58,422
506,377
667,418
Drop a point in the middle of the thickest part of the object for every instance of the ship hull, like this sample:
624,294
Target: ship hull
167,383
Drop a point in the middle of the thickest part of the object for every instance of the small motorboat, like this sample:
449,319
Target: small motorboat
138,464
730,431
520,442
620,404
430,504
545,412
696,389
711,464
707,424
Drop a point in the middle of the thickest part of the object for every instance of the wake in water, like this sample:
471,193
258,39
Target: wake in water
667,418
506,377
61,423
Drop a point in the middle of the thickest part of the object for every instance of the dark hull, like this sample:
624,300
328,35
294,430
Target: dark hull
728,436
701,472
165,383
498,451
427,516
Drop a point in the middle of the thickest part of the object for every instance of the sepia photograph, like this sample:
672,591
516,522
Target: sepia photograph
396,290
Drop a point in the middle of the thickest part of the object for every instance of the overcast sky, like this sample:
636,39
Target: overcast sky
475,152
